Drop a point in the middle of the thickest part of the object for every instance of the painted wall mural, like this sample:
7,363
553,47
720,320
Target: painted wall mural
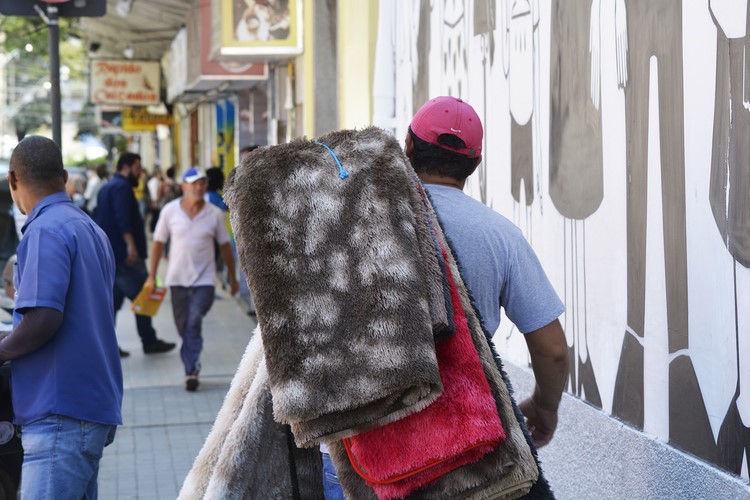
621,147
730,201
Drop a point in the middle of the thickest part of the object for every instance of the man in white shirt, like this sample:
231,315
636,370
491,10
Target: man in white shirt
93,185
154,189
192,226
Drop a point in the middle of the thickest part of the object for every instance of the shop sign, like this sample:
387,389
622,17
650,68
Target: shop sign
205,73
138,119
267,30
125,82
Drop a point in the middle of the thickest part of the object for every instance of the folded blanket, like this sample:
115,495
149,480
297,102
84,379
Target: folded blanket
346,283
460,427
510,470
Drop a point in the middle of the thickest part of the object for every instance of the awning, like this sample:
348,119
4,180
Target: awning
148,28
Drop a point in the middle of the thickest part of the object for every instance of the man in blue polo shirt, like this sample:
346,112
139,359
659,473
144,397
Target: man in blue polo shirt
118,214
66,375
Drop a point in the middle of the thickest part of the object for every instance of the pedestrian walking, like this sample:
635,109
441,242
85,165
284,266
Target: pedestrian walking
444,145
193,226
93,185
66,374
119,216
154,190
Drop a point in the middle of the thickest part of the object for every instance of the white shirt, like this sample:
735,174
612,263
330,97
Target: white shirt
153,185
191,251
93,185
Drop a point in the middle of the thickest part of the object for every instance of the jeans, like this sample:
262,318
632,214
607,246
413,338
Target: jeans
61,457
128,282
244,290
331,486
189,305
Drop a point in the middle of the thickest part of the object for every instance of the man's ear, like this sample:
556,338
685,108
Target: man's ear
478,160
408,145
12,180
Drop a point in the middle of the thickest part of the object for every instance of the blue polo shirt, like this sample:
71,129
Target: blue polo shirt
65,262
117,213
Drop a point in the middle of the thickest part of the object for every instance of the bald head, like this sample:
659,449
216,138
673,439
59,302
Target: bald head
37,162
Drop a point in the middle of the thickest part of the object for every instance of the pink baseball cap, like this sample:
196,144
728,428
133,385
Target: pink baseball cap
449,115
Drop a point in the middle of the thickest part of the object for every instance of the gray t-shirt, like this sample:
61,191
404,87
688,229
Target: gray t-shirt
498,265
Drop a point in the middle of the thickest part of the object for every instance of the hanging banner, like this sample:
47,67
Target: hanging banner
125,82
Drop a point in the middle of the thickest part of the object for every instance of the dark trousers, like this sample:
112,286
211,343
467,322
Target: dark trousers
189,306
128,282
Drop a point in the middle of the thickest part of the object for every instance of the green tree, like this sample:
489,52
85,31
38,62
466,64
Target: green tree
20,31
28,70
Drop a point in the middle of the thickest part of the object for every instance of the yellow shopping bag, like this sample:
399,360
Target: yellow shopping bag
149,300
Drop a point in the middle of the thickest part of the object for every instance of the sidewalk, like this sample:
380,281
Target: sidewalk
164,426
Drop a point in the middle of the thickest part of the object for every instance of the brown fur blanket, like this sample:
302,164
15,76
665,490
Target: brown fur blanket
346,283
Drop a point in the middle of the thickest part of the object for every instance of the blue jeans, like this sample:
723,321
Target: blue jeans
331,486
189,305
128,282
244,290
61,457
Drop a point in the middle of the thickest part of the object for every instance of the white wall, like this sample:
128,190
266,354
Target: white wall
692,365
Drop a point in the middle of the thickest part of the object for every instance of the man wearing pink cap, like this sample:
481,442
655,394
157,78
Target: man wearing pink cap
498,265
444,144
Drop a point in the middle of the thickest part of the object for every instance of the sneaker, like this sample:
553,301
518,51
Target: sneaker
158,346
123,354
191,383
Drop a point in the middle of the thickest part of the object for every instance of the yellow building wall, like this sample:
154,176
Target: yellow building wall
308,61
357,25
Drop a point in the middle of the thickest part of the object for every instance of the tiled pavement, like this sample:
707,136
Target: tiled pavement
164,425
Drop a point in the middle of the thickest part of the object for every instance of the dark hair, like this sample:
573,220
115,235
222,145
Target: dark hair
249,148
215,178
101,170
39,162
171,172
127,159
433,159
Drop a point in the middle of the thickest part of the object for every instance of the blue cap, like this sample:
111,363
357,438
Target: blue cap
193,174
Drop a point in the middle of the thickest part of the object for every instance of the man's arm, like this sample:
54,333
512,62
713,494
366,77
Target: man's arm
226,254
132,256
36,328
549,360
157,250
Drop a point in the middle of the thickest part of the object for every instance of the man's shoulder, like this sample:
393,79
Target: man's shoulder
171,206
214,210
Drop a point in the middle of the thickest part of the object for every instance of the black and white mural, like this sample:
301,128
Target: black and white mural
617,137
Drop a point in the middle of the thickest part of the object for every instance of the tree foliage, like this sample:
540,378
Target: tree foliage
27,70
20,30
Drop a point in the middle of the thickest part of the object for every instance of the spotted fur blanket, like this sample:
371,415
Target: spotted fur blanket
345,279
